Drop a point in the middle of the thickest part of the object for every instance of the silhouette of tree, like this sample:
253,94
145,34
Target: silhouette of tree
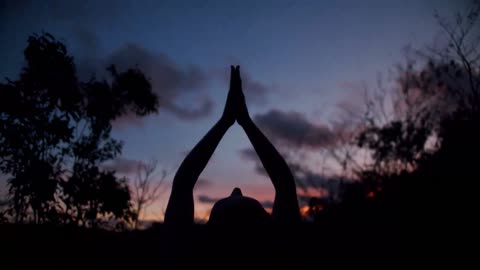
424,146
416,142
55,133
3,211
146,188
427,97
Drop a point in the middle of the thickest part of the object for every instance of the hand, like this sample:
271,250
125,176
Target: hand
242,114
229,113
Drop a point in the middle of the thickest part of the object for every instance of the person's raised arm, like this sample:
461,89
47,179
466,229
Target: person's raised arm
180,208
285,207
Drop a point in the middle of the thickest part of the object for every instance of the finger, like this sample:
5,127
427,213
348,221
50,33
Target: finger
239,79
236,74
232,76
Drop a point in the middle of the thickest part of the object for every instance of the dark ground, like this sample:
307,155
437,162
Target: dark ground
310,246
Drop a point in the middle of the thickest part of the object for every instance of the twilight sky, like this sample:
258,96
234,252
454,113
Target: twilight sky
300,60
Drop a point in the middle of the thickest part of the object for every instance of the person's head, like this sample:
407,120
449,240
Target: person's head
238,210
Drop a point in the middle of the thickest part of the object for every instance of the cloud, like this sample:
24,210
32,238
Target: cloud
255,91
204,109
207,199
173,83
123,165
249,154
169,80
129,119
308,179
203,183
293,129
305,178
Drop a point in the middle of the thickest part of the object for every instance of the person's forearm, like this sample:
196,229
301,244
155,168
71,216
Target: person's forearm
193,165
180,208
273,162
285,208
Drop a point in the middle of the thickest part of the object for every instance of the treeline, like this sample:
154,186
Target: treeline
55,135
415,148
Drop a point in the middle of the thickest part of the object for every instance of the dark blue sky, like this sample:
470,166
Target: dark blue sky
299,60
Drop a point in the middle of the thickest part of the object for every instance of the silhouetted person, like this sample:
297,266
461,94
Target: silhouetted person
236,209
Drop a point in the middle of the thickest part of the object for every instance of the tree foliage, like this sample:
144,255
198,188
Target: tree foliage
55,134
418,137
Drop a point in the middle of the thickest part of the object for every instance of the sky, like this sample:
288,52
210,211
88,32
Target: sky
300,61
